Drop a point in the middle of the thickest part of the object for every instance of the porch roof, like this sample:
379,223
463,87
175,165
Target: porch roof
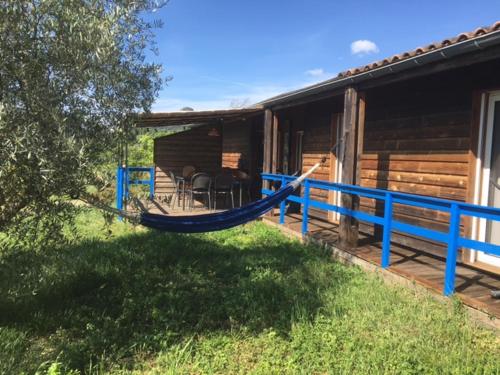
171,119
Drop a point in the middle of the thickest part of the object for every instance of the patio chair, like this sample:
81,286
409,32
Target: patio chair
188,171
245,183
201,184
224,184
176,192
182,182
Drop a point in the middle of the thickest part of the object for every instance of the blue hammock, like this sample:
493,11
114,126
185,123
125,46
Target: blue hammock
215,221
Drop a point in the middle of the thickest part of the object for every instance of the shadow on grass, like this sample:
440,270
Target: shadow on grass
148,291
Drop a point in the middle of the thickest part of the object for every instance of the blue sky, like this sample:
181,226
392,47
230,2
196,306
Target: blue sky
224,53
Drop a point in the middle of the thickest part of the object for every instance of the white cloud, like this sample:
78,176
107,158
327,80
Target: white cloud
315,72
363,47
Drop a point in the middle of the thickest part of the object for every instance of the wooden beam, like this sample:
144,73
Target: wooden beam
335,94
360,135
332,174
268,133
274,162
348,228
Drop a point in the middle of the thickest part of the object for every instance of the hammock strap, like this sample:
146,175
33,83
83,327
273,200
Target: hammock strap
131,216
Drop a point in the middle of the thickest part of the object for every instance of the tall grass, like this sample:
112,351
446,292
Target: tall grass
238,301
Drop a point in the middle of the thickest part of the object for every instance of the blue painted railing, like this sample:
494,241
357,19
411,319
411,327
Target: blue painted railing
452,238
123,183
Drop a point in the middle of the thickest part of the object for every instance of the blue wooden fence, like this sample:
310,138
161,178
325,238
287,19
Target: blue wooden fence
452,238
124,181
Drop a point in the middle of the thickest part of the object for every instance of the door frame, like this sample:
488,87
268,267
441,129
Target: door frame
335,164
481,181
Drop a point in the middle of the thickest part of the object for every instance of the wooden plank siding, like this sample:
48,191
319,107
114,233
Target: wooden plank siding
318,124
242,149
236,146
191,147
316,144
425,154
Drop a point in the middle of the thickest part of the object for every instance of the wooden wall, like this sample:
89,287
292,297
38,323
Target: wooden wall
417,140
316,145
236,145
191,147
315,120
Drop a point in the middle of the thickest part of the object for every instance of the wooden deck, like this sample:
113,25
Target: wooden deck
161,207
473,286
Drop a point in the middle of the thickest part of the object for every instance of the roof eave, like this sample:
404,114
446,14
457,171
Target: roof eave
444,53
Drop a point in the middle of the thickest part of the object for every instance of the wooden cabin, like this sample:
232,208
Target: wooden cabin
423,122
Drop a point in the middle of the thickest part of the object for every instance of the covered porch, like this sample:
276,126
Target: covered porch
212,143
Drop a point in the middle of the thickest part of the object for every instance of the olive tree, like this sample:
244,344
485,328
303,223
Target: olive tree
72,75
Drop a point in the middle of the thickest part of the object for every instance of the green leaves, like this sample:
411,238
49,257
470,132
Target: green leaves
72,75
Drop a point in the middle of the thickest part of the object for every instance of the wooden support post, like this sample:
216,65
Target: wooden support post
274,162
268,133
353,129
360,135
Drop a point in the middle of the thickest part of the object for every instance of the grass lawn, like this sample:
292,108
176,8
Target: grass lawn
247,300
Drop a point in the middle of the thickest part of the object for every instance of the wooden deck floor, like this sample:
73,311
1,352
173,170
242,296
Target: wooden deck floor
473,286
161,207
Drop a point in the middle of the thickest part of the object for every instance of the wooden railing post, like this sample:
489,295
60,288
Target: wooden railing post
305,209
386,241
451,254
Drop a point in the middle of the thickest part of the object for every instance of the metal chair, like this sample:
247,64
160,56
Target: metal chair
176,192
224,185
245,183
201,184
188,171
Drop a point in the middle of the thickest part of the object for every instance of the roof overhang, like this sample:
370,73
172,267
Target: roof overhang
195,118
474,46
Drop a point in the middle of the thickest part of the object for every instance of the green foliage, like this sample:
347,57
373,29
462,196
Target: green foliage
246,300
72,75
140,154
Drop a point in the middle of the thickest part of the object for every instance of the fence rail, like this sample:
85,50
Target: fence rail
452,238
124,181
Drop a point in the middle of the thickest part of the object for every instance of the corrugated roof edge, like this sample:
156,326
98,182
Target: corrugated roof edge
477,39
166,119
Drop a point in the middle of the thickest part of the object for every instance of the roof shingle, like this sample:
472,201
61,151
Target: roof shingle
480,31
